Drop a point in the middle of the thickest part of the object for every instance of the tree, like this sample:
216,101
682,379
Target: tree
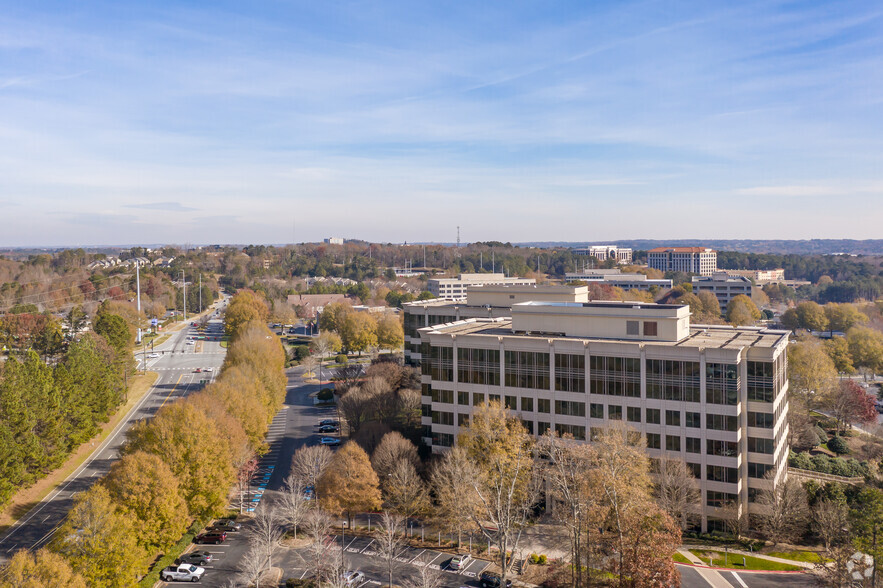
244,307
309,464
812,374
99,541
837,349
505,484
117,332
735,518
842,317
651,539
265,533
866,515
147,491
325,344
710,305
741,310
393,449
38,570
253,567
349,484
427,576
851,404
318,526
452,486
866,348
785,509
390,334
830,521
811,316
405,491
390,538
356,407
294,502
676,490
358,332
333,316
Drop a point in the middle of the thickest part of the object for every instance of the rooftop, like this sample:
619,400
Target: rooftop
681,250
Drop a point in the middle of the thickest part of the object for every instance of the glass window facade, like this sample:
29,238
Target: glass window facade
719,422
653,441
633,414
614,412
694,420
758,445
615,376
723,448
719,499
721,474
526,404
693,445
672,443
527,369
570,373
673,380
478,366
442,364
653,416
597,411
673,418
763,420
765,379
544,405
758,470
575,431
564,407
722,383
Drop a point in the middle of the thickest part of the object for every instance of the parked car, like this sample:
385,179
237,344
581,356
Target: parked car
309,493
352,578
329,429
198,370
182,573
492,580
329,422
199,558
458,562
153,355
329,441
227,525
210,536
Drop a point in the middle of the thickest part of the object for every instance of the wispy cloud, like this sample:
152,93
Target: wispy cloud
168,206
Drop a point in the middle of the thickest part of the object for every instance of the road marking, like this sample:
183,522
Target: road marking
418,555
175,387
351,542
367,546
738,579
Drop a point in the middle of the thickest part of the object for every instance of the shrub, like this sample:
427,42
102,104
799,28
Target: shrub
821,434
838,445
300,352
341,358
542,560
800,460
325,394
533,558
820,463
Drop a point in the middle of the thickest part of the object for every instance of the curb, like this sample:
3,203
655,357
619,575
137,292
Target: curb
805,571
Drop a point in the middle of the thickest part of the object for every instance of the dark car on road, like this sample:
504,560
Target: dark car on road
199,558
211,537
329,429
329,422
226,525
492,580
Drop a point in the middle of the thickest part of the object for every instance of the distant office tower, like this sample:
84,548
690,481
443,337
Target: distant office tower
724,286
334,241
696,260
455,288
605,252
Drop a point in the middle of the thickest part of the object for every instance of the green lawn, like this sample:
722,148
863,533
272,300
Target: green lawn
804,556
680,558
735,561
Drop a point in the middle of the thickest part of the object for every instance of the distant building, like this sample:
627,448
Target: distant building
312,304
761,277
695,260
617,279
334,241
724,286
406,272
604,252
455,288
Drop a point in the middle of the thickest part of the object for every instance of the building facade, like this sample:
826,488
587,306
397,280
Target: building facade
604,252
617,279
761,277
724,286
455,288
714,397
695,260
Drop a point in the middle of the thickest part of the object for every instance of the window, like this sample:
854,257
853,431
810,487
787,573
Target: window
493,398
542,428
463,398
649,328
443,396
719,422
722,448
752,494
576,431
763,380
564,407
511,403
653,416
695,470
527,369
721,384
721,474
694,445
528,425
763,420
673,380
693,420
477,398
673,418
442,439
614,412
526,404
672,443
442,418
758,445
597,411
570,373
544,405
478,366
633,414
631,328
653,441
758,470
426,410
719,499
615,376
442,364
462,420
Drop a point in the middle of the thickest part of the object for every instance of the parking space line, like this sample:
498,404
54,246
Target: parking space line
350,543
432,561
367,546
418,555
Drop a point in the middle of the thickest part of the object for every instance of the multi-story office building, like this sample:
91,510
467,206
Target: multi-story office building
695,260
617,279
481,302
605,252
761,277
724,286
455,288
715,397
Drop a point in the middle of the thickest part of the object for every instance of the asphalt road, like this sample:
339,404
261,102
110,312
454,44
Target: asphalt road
176,367
692,577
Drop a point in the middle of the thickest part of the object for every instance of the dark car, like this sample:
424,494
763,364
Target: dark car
329,422
329,429
211,537
199,558
492,580
226,525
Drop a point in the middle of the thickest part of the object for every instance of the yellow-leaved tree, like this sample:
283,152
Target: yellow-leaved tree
43,569
349,484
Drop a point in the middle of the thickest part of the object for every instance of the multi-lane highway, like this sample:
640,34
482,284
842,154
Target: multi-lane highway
176,361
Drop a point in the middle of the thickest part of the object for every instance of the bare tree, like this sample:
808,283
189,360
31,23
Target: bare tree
453,490
390,537
404,490
294,503
735,518
785,509
252,567
393,450
310,363
830,521
266,533
348,375
355,407
309,463
676,490
427,577
317,524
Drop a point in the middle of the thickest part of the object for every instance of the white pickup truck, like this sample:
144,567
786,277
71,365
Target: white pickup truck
182,573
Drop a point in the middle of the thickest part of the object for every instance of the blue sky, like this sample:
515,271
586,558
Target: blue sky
264,122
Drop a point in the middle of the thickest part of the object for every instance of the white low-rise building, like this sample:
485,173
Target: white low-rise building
455,288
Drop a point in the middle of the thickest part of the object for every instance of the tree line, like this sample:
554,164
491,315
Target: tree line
178,466
362,331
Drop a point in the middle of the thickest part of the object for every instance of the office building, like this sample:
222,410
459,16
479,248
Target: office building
693,260
334,241
455,288
481,302
724,286
715,397
604,252
617,279
761,277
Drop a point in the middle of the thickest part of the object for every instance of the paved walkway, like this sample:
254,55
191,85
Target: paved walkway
684,551
710,575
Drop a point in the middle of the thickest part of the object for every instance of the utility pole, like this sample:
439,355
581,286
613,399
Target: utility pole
424,256
184,282
200,293
493,262
138,296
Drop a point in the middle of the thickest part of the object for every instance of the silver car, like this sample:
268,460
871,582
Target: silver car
353,578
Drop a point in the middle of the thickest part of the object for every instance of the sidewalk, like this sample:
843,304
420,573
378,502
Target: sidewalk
684,551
